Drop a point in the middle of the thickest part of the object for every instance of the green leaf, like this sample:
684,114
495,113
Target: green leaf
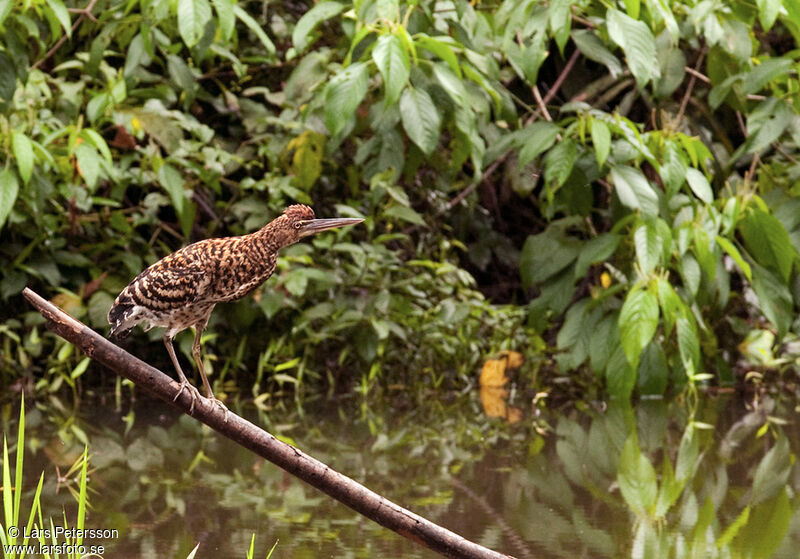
638,321
634,190
688,451
62,14
172,181
253,25
774,299
226,17
768,242
593,48
560,21
699,185
89,163
546,254
452,84
343,94
559,162
193,15
391,58
536,139
637,478
440,49
734,253
772,472
688,345
405,214
670,304
768,12
9,188
96,107
23,154
311,19
731,531
601,139
637,43
421,119
596,250
652,240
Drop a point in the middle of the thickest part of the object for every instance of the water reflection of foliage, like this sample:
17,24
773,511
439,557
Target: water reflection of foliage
652,483
649,481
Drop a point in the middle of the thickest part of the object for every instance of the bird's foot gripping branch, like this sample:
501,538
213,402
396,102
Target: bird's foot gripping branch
252,437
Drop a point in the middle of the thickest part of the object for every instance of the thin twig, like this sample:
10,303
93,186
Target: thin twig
690,87
562,76
85,12
540,102
467,191
296,462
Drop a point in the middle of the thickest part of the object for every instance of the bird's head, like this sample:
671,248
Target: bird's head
298,221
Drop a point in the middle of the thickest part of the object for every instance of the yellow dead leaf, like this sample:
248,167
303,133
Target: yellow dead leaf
514,359
306,152
493,373
605,279
493,400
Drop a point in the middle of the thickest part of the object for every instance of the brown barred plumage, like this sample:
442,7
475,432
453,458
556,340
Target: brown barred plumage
180,290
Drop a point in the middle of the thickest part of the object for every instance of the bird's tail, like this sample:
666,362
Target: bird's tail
122,317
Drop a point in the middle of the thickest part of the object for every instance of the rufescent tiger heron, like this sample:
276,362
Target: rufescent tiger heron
180,290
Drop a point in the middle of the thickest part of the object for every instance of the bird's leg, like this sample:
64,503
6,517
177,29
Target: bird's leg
199,361
185,385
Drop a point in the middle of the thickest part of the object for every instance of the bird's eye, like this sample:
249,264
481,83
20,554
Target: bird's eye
298,224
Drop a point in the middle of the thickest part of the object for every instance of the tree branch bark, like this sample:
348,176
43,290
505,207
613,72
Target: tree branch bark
252,437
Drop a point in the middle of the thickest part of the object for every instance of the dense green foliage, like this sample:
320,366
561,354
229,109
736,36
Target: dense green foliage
619,177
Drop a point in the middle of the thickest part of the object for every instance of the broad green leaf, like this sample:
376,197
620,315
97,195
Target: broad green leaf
89,164
620,375
5,9
62,14
9,188
772,472
193,15
343,94
97,141
546,254
638,321
97,106
559,162
768,242
421,119
668,490
637,478
593,48
253,25
688,451
653,372
766,529
670,304
406,214
634,190
690,273
391,58
637,43
652,240
731,531
774,298
768,12
704,251
537,138
560,20
688,345
601,139
226,17
452,84
699,185
23,154
172,181
310,20
734,253
596,250
441,49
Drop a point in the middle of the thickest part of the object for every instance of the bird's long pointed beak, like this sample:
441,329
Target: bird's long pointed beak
314,226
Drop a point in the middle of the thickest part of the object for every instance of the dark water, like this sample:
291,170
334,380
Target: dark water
715,479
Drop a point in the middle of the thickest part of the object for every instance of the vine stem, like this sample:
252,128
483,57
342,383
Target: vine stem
85,12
